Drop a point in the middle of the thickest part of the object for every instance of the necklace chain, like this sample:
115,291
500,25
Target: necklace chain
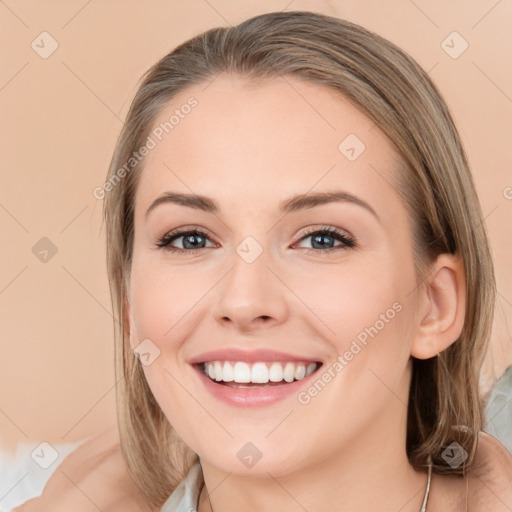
425,499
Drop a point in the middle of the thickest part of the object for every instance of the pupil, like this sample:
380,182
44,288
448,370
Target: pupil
317,241
189,240
317,238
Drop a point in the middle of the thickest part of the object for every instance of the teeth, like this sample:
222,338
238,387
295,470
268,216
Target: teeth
217,369
289,372
241,372
227,373
276,372
257,373
311,368
300,371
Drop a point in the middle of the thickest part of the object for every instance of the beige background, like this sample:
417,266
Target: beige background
60,119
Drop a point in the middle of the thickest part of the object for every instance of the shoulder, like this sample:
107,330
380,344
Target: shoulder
487,486
92,477
491,473
493,462
491,451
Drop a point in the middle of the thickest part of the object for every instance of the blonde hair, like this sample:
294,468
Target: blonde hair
434,181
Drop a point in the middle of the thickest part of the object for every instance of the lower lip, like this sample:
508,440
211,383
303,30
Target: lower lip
253,397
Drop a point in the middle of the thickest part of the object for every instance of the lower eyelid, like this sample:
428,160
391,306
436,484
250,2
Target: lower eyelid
345,239
340,236
173,237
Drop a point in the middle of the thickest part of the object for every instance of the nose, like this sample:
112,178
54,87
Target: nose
251,296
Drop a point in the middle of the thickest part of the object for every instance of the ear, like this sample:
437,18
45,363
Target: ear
442,307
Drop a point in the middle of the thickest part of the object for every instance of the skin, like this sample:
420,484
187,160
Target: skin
346,448
249,146
100,480
93,477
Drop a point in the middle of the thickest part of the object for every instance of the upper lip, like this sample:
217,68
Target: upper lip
249,356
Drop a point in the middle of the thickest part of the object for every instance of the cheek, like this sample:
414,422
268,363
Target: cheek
368,312
356,300
164,299
163,304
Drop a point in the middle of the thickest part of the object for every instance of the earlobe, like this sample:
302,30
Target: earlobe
442,307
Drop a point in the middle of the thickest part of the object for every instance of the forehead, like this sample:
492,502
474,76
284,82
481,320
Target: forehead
260,141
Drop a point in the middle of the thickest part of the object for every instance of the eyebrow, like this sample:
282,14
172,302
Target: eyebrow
292,204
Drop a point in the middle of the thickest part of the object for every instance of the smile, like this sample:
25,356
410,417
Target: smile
259,384
237,373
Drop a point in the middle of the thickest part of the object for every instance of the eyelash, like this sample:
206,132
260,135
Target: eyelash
348,241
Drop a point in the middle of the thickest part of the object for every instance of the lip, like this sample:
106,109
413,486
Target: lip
253,397
250,356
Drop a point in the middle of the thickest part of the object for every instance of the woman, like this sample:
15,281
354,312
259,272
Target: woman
297,253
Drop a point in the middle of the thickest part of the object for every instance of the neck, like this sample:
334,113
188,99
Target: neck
371,473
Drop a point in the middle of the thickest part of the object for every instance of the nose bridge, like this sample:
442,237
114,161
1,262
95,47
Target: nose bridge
250,292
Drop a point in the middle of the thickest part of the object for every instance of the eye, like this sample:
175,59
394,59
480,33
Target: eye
193,239
322,240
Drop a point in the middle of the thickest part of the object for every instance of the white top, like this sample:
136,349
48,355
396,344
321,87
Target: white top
23,474
185,498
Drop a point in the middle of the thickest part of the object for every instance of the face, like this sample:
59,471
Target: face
311,302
